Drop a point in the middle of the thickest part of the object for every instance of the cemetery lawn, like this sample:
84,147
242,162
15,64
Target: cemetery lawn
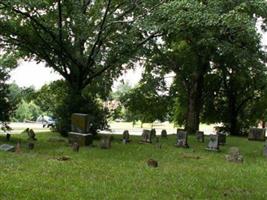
122,172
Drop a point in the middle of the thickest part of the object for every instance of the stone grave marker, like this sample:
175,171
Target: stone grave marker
105,142
75,147
200,136
234,155
125,137
17,148
152,163
80,127
257,134
7,147
153,133
222,138
164,133
265,150
146,136
31,145
213,144
181,140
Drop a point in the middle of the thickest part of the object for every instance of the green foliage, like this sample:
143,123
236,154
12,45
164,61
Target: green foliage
147,102
27,111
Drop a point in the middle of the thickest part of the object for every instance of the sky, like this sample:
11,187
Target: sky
32,74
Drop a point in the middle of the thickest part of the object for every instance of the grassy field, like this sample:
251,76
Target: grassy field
122,173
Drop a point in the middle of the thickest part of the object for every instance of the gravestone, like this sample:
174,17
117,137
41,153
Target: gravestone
105,142
234,155
8,137
181,140
80,127
222,138
125,137
153,133
146,136
75,147
257,134
213,144
31,145
200,136
7,147
30,133
164,133
17,148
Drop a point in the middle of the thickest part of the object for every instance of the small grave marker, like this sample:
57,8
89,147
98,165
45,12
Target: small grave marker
213,144
257,134
181,139
7,147
200,136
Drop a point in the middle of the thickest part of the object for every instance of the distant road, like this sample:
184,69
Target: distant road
18,127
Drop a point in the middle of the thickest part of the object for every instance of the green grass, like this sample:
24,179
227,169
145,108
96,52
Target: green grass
122,172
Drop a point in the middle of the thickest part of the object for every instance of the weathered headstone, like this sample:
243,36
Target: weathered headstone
152,163
125,137
105,142
164,133
213,144
234,155
31,134
181,139
17,148
222,138
200,136
7,147
75,147
80,127
146,136
257,134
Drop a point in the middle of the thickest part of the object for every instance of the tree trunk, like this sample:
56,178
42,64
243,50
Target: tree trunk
194,104
234,129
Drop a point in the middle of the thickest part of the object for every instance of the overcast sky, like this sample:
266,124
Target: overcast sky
33,74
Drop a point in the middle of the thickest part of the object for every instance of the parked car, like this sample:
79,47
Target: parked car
46,121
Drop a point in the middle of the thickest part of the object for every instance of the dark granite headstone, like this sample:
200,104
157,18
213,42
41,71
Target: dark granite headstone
213,144
153,133
234,155
200,136
125,137
257,134
222,138
181,139
7,147
164,133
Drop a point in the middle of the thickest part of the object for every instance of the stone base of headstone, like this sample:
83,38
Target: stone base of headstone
7,147
257,134
81,138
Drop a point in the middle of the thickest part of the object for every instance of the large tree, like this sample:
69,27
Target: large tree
81,39
196,34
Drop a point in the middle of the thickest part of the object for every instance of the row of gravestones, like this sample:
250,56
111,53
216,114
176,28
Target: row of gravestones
17,148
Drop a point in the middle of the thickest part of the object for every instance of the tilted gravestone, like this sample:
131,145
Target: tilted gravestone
7,147
105,142
125,137
181,140
146,136
80,126
213,144
222,138
164,133
257,134
234,155
200,136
